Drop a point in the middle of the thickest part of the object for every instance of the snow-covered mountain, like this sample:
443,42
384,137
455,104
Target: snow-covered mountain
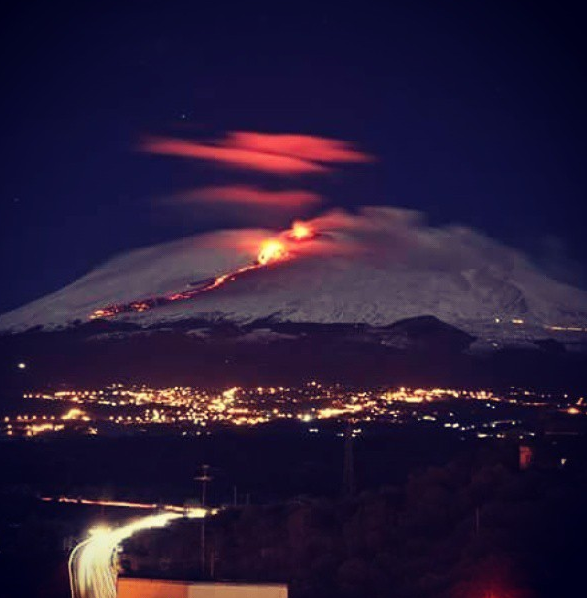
377,267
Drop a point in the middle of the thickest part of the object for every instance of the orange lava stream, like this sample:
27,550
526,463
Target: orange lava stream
271,250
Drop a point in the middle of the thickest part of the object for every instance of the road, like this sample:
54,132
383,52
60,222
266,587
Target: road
113,503
92,567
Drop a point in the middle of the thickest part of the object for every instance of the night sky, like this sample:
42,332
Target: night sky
474,111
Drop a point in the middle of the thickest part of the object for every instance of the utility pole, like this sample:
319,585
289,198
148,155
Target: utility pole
204,478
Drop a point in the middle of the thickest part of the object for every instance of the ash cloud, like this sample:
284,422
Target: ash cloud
381,235
552,256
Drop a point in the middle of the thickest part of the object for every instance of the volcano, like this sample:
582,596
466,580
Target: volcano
376,268
363,297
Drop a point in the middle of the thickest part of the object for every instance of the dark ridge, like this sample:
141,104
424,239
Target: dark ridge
417,352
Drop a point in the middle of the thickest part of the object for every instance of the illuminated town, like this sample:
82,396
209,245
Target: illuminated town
120,409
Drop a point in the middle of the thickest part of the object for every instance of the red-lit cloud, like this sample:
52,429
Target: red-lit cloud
252,196
306,147
263,152
232,156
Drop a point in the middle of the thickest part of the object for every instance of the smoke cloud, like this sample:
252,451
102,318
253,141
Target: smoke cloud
384,235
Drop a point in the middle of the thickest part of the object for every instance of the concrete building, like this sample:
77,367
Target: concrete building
161,588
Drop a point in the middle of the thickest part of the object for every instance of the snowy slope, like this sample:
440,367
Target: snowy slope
378,267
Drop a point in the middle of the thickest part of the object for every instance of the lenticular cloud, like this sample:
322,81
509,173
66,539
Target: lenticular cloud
276,154
251,196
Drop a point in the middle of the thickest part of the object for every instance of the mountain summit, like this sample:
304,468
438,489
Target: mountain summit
377,267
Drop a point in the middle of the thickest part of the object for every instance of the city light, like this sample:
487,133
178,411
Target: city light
197,411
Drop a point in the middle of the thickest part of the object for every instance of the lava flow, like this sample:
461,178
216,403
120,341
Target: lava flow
270,251
301,231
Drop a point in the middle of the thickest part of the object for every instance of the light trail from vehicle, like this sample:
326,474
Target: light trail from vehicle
92,567
113,503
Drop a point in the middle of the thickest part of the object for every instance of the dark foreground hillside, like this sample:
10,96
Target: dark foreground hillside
468,529
418,352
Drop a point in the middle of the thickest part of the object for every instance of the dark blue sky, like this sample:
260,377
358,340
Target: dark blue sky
476,112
